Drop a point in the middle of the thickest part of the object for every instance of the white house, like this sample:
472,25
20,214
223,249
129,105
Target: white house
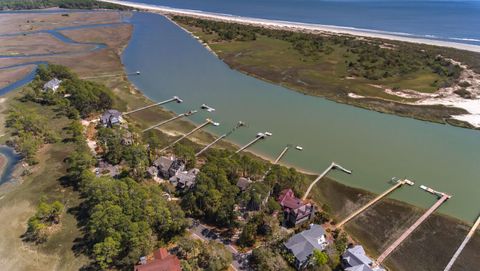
52,85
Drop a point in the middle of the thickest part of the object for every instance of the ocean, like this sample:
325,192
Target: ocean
457,21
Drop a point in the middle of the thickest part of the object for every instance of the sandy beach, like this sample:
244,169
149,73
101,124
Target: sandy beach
294,26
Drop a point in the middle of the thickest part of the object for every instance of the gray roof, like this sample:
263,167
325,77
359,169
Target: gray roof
185,178
109,114
243,183
302,244
358,260
163,162
153,171
52,84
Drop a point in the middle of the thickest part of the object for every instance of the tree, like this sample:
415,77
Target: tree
106,252
248,236
185,153
47,214
265,259
214,257
134,214
319,258
76,131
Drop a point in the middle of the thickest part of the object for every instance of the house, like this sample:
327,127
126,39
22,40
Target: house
302,244
295,210
111,117
243,183
162,261
185,179
355,259
168,166
52,85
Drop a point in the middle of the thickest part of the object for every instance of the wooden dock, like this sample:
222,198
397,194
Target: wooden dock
333,165
207,122
239,124
470,234
372,202
257,138
412,228
189,113
175,98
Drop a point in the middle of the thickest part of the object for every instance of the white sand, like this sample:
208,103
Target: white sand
293,25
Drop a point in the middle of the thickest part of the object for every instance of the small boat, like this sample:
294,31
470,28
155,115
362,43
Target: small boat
261,135
268,133
300,148
138,72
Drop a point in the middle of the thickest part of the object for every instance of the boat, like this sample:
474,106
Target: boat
300,148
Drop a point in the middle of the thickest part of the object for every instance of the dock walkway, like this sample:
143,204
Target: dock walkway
372,202
412,228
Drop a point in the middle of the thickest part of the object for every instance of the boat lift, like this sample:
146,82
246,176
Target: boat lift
239,124
207,122
398,184
333,165
442,198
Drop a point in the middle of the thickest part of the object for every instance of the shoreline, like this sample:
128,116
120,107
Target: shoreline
295,26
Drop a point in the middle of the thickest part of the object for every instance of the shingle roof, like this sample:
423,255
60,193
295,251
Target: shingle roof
163,162
109,114
243,183
52,84
302,244
163,262
358,260
287,199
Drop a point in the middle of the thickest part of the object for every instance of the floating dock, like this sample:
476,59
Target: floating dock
375,200
189,113
333,165
463,244
443,197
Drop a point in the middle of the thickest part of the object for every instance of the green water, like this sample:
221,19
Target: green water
375,146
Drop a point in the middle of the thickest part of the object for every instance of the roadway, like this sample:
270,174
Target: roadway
199,231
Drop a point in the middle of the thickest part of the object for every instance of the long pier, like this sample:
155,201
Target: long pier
281,154
411,229
189,113
333,165
375,200
463,244
239,124
257,138
175,98
207,122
